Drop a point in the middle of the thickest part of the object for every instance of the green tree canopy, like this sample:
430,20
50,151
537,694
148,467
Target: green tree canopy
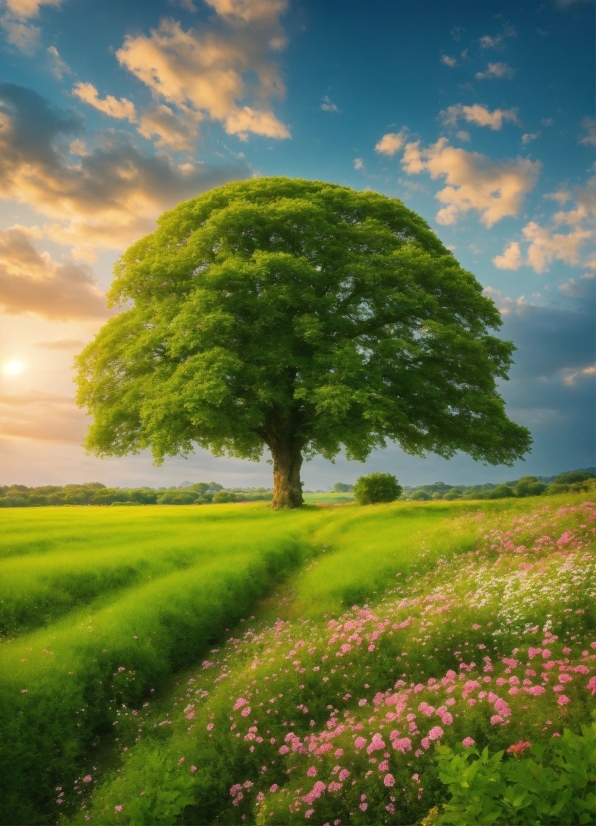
302,317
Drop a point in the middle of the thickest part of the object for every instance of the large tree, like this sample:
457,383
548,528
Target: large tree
303,317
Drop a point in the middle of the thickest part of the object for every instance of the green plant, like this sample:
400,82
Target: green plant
257,317
377,487
169,789
554,786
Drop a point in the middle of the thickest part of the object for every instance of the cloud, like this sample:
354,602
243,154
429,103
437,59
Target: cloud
391,143
496,70
328,105
448,61
57,66
474,181
31,282
263,11
166,127
109,195
589,124
358,163
22,35
463,135
120,109
488,42
527,138
511,259
33,414
61,344
479,115
208,72
546,244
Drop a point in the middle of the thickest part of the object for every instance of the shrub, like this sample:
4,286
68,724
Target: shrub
574,476
529,486
376,487
451,495
420,496
501,492
554,785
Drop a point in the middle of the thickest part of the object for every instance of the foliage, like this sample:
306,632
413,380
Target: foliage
375,488
300,316
486,633
169,789
555,785
341,487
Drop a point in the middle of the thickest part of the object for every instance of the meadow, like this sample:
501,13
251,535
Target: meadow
234,665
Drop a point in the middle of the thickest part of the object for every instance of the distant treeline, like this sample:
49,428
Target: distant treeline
94,493
211,493
573,480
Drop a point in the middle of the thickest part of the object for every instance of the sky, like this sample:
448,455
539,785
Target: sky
479,116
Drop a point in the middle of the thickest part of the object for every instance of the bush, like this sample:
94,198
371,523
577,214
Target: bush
554,785
574,476
501,492
529,486
451,495
376,487
420,496
223,496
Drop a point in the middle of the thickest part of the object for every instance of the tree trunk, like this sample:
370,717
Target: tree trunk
287,489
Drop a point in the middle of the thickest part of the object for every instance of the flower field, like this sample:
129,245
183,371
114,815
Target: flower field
478,630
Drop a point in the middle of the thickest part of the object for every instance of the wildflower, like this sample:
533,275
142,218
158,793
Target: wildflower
87,778
360,742
402,744
118,808
343,775
308,812
435,733
245,711
193,769
467,742
389,780
274,788
562,700
312,772
496,718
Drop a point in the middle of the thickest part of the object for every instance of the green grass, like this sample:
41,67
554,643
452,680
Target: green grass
162,586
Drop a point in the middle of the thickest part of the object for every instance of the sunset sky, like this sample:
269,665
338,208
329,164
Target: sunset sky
478,115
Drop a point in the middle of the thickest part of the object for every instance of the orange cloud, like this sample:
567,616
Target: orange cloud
205,72
474,182
31,282
33,414
391,143
121,109
479,115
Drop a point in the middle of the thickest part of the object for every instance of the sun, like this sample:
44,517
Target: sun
13,367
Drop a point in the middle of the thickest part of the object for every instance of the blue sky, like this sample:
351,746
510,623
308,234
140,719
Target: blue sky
480,116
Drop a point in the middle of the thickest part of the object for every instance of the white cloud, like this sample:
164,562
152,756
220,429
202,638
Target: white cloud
488,42
589,124
22,35
511,259
546,244
448,61
496,70
206,72
474,181
166,127
328,105
57,66
463,135
479,115
358,163
527,138
120,109
391,143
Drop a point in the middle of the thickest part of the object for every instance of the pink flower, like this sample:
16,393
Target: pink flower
402,744
467,742
360,742
210,726
364,806
389,780
239,703
496,718
274,788
384,766
562,700
308,812
376,744
260,797
193,769
519,748
435,733
565,678
245,711
343,775
312,772
425,743
446,719
118,808
592,685
87,778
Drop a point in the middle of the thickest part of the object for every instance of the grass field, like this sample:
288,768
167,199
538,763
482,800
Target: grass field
122,702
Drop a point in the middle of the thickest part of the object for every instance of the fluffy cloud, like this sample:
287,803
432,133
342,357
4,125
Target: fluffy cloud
328,105
474,181
391,143
120,109
479,115
207,72
589,124
358,163
21,34
33,414
110,195
496,70
448,61
165,127
527,138
31,282
57,66
546,244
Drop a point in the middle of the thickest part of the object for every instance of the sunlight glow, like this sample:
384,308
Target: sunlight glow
13,367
